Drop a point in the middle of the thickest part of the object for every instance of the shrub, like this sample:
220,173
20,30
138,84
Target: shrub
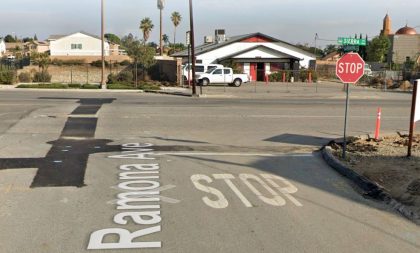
42,77
75,85
314,75
44,86
90,86
67,62
27,86
275,77
125,63
123,77
98,64
25,77
7,77
278,76
149,86
303,75
121,86
52,86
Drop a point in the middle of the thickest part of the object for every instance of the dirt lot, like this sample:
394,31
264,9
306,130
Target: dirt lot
386,163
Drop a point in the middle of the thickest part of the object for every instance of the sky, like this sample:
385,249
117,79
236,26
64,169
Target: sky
288,20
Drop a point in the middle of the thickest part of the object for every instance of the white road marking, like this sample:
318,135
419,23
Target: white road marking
228,180
216,199
160,189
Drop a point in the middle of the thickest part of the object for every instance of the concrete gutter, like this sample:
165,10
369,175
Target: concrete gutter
370,188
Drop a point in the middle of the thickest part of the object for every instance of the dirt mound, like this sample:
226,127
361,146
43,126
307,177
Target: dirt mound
385,162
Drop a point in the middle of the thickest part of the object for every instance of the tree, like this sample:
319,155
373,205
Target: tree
165,39
330,49
35,37
42,60
318,52
27,39
378,48
176,20
140,53
146,26
9,39
113,38
127,40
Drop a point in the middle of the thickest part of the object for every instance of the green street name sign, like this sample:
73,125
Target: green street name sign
351,41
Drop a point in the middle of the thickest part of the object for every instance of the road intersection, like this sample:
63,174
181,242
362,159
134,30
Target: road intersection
119,172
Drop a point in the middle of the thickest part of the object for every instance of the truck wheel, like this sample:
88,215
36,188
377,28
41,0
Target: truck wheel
205,82
237,82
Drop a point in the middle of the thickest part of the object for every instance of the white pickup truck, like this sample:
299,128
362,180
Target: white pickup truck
222,75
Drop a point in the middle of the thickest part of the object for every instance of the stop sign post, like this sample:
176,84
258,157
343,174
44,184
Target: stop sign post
350,68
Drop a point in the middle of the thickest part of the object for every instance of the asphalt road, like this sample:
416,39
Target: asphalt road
234,172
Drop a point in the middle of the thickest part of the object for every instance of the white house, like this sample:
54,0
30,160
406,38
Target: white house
256,54
77,44
2,47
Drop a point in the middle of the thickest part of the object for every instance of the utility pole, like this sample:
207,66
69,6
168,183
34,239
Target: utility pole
103,82
194,91
161,5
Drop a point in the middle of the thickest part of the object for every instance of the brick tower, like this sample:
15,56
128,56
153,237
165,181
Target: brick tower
387,26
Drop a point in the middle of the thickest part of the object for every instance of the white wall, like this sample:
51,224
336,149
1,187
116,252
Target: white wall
212,56
91,46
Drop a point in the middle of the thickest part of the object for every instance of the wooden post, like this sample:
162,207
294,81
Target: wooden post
412,123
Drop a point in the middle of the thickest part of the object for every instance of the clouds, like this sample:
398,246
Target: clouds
290,20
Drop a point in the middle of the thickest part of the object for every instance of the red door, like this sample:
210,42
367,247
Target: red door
253,71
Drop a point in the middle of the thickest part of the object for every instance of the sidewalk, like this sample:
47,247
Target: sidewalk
261,90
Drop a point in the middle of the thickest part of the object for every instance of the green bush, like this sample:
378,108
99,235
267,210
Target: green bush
314,75
148,86
98,64
27,86
25,77
44,86
58,62
303,75
7,77
74,85
122,77
52,86
90,86
125,77
121,86
125,63
278,76
42,77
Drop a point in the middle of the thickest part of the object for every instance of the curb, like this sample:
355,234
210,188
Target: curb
176,93
371,189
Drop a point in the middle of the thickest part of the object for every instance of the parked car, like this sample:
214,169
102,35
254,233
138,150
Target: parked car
368,70
220,76
199,69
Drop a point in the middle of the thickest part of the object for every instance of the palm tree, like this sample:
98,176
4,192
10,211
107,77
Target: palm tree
165,39
146,26
176,19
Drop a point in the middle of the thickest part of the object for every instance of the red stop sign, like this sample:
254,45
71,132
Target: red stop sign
350,68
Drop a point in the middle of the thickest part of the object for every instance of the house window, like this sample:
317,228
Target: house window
76,46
